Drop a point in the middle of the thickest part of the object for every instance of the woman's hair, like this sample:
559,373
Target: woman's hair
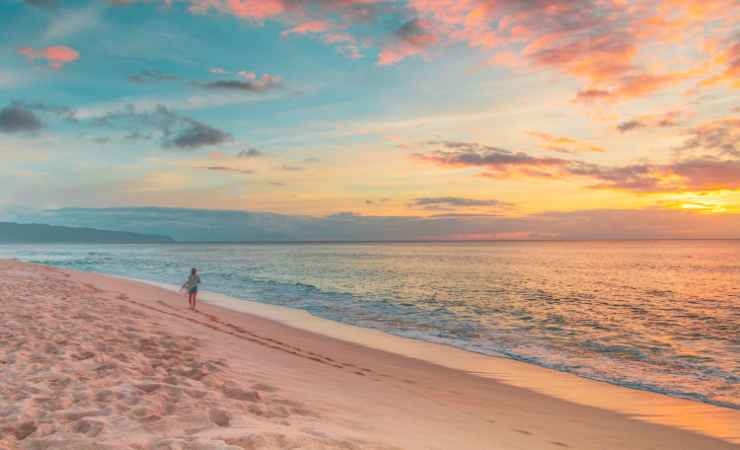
193,270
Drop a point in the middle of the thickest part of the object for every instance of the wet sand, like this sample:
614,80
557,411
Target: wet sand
94,362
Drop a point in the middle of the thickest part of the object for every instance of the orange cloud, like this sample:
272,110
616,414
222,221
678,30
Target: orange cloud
664,120
729,60
563,144
632,85
56,56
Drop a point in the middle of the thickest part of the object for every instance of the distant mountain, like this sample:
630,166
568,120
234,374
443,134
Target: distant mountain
37,233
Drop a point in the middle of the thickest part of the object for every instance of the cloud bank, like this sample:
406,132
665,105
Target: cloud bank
207,225
16,118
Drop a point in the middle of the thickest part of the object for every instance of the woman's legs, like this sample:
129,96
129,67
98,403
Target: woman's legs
195,297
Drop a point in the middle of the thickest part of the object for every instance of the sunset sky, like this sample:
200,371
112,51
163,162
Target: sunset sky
455,118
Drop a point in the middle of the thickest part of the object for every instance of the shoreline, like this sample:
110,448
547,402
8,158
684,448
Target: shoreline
653,407
365,385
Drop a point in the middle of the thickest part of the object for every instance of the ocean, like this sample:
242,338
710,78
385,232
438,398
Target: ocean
662,316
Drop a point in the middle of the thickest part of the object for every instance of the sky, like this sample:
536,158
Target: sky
373,119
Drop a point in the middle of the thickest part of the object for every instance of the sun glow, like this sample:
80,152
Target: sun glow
723,201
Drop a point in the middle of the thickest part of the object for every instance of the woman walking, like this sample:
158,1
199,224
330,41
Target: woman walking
191,287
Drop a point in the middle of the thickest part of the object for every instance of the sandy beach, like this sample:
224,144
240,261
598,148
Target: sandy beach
95,362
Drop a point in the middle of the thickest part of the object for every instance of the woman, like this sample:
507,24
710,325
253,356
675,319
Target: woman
191,286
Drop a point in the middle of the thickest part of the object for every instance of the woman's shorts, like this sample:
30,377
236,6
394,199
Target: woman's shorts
193,290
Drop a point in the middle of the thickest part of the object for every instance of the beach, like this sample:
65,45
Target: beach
89,361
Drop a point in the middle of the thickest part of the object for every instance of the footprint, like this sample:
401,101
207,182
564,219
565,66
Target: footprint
88,427
528,433
219,417
264,387
240,394
559,444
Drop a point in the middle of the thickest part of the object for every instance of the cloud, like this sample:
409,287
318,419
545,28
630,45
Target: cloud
719,137
174,130
316,26
565,144
695,174
195,135
15,118
729,60
699,174
322,18
597,42
210,225
250,153
377,202
227,169
249,83
344,42
58,111
151,76
412,38
588,95
664,120
43,4
246,9
452,203
56,56
260,10
630,125
633,85
690,174
708,173
73,21
497,161
290,168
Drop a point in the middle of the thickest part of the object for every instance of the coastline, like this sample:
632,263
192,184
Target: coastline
639,404
375,390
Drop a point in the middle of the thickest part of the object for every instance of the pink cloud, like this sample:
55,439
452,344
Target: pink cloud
350,10
596,41
729,60
508,59
245,9
316,26
56,56
412,38
601,43
633,85
325,31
